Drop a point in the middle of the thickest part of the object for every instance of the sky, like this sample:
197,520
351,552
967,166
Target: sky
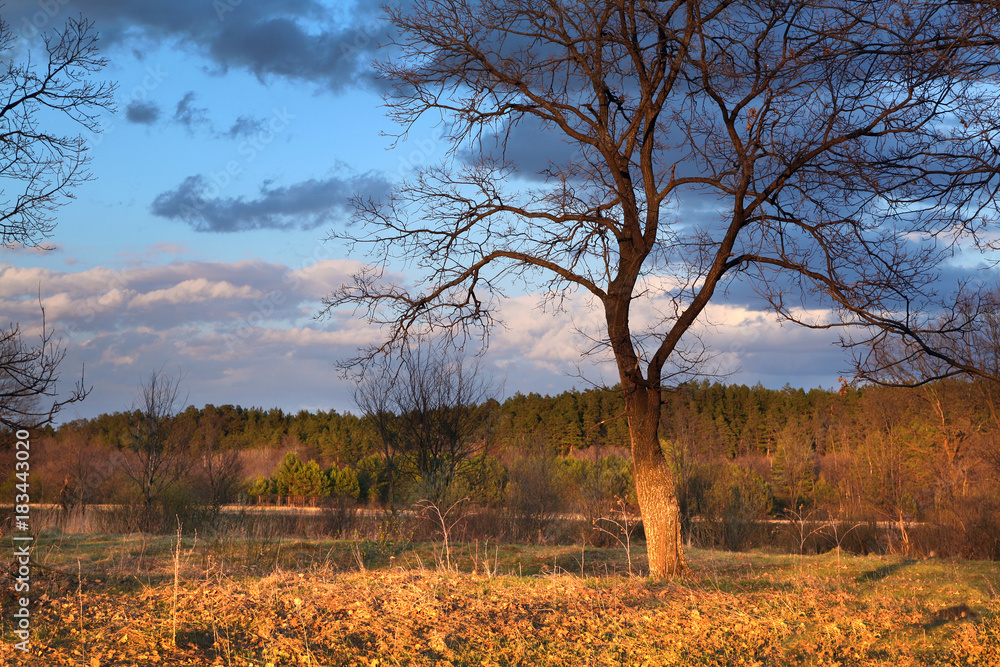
242,130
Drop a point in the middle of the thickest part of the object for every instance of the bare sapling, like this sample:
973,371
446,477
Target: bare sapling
431,510
800,524
625,525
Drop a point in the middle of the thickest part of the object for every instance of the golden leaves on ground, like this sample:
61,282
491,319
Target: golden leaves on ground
378,619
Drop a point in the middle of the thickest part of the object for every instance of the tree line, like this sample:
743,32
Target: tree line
927,457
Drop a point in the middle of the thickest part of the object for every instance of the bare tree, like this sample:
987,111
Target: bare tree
153,458
84,468
980,347
45,163
953,420
845,150
442,398
39,167
218,470
372,396
29,378
429,410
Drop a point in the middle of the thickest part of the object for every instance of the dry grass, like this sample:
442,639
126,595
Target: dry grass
271,602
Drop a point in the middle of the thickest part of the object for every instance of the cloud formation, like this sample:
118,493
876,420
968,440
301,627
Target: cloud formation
744,341
244,333
258,131
189,115
216,321
533,149
142,113
198,202
301,40
246,126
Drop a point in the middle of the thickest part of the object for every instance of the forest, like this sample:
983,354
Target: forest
914,470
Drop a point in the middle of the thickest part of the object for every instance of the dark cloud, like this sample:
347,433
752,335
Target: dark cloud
533,148
193,118
142,113
190,116
305,205
307,40
246,126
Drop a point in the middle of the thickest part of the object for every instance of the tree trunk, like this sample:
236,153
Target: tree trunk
654,484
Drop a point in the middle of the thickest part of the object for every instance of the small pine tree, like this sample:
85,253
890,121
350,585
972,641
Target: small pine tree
260,487
286,476
344,483
313,482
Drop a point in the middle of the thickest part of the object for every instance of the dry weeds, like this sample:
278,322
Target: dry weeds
732,610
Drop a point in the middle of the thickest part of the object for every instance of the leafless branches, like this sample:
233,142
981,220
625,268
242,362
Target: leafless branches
851,149
153,459
431,414
38,168
29,374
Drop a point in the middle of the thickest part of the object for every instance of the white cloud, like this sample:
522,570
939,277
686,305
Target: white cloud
243,332
198,290
749,343
307,337
318,278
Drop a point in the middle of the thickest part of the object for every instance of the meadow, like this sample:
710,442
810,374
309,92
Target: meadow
240,600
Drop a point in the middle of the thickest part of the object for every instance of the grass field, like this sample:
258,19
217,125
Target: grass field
137,600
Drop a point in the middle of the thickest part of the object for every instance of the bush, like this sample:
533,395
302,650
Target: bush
176,505
534,496
483,481
374,482
595,487
733,504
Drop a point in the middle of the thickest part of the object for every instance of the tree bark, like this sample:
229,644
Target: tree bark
654,484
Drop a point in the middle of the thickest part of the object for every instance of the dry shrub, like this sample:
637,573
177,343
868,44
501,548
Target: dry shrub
969,528
732,503
534,497
339,518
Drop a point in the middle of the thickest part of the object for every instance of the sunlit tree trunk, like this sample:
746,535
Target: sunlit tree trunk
654,479
654,484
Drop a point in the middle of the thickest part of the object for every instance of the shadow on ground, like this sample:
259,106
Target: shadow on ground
880,573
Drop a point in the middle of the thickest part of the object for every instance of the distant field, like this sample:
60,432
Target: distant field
115,600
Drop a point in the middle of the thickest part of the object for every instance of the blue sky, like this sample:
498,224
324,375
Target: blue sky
242,129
